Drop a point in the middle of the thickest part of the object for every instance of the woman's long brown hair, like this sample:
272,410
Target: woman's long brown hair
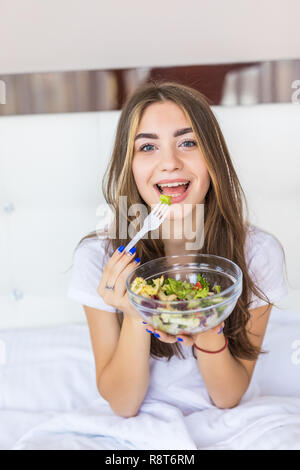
225,225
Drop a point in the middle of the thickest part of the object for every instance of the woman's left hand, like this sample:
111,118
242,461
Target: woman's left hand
187,340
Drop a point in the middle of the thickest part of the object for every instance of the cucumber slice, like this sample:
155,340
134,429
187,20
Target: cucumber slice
156,322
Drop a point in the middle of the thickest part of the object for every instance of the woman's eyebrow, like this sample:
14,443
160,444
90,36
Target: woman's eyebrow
177,133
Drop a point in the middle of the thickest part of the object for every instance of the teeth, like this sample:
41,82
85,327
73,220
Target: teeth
171,185
161,186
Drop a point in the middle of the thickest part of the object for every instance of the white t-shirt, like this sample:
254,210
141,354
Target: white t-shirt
264,258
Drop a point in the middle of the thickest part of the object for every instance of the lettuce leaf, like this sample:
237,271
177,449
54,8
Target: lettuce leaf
203,281
179,288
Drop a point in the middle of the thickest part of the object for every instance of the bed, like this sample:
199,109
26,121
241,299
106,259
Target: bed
49,399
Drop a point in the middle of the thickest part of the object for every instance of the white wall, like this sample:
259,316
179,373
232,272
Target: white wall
61,35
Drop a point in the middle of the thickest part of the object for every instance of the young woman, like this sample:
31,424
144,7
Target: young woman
168,132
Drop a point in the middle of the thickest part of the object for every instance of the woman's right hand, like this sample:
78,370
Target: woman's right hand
115,273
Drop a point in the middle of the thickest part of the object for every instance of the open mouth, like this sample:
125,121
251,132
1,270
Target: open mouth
173,189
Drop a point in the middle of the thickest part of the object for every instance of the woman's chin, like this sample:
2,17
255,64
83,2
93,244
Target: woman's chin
180,211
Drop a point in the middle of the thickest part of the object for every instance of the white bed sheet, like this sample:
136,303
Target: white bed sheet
49,398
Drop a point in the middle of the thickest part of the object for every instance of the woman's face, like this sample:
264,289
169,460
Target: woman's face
168,154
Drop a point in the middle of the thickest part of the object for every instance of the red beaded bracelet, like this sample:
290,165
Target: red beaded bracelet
213,352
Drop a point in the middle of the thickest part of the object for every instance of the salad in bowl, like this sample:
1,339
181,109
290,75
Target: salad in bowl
185,294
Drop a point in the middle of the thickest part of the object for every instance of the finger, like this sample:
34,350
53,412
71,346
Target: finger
108,268
119,266
120,285
219,328
186,340
161,335
117,262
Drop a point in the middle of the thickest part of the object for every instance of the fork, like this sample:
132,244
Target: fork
151,222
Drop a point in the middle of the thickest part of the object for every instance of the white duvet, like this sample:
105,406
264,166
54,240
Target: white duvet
49,400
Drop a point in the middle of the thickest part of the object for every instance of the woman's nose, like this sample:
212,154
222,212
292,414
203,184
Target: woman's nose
169,161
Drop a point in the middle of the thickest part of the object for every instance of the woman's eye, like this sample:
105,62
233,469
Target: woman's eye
189,142
144,146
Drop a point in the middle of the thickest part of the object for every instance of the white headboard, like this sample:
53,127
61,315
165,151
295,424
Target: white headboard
51,169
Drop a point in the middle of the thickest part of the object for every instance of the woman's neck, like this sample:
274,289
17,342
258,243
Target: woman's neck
178,239
174,247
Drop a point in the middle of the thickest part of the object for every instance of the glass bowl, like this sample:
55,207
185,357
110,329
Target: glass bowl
188,316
